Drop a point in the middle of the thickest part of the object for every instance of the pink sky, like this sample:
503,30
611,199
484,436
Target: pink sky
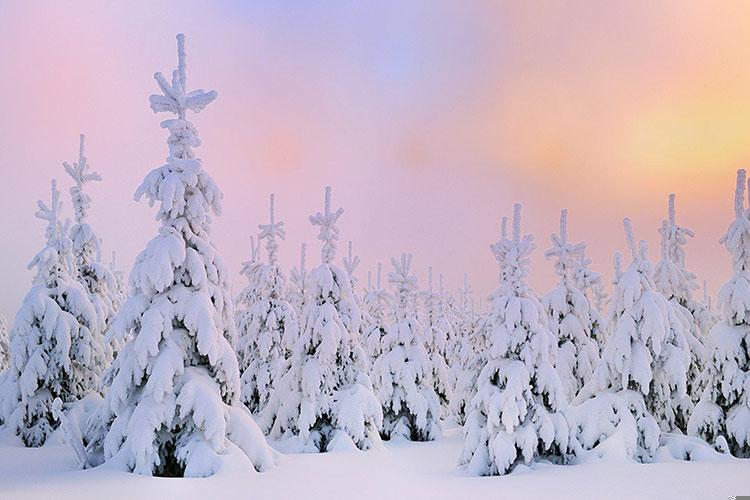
429,120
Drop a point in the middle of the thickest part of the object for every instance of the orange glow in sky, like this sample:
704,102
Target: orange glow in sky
429,119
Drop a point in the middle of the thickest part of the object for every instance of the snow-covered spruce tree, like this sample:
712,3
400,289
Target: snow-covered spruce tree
469,354
572,319
266,322
517,415
325,398
722,416
173,406
437,332
677,284
402,374
589,282
96,278
52,348
4,345
119,296
297,277
351,263
377,300
708,318
640,385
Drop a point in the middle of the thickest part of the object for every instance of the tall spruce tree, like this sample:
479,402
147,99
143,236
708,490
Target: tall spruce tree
96,277
4,345
469,351
325,398
266,321
639,388
297,277
722,416
677,284
402,374
437,333
377,300
571,316
173,406
517,415
53,350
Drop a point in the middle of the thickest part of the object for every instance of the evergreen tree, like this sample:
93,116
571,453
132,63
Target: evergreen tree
571,316
120,294
52,349
377,300
325,397
677,284
438,330
266,321
722,417
297,279
351,263
469,351
96,278
4,345
640,385
590,284
173,406
517,413
402,374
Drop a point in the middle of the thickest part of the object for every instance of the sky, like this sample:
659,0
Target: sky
429,119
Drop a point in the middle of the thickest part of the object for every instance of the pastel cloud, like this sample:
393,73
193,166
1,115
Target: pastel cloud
428,118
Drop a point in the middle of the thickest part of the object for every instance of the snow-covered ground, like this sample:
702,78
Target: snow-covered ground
400,470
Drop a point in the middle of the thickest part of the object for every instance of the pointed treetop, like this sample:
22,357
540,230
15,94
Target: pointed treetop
51,213
175,98
465,293
254,250
351,262
270,232
328,233
639,251
496,248
570,258
81,173
617,263
49,263
512,255
630,237
674,237
299,273
739,194
670,209
429,279
380,272
302,252
405,283
402,277
517,223
664,240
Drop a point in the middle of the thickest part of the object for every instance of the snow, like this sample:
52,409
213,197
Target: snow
325,388
425,470
403,373
163,376
518,412
171,407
